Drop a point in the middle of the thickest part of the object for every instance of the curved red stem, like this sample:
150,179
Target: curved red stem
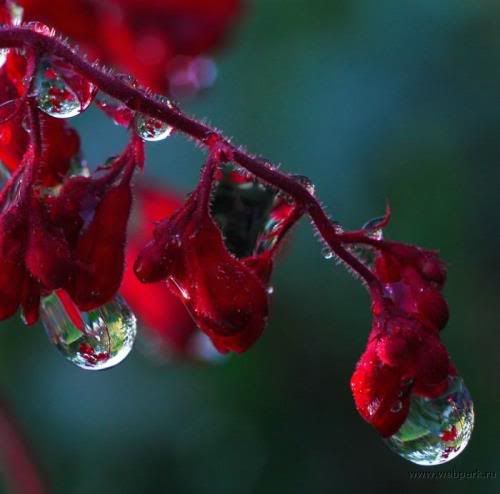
143,101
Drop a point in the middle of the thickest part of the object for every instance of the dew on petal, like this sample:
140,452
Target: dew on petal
94,340
151,129
60,91
438,429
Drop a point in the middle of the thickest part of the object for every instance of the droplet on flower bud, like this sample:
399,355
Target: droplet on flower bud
94,340
151,129
437,429
365,253
327,253
60,91
373,231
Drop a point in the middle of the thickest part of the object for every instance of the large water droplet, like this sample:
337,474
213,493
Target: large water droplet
94,340
436,430
151,129
60,91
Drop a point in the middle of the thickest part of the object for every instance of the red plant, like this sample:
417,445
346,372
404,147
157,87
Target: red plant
63,230
155,40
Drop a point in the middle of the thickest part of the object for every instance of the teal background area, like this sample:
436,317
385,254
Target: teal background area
374,100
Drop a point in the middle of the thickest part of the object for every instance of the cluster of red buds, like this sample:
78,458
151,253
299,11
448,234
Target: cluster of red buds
197,273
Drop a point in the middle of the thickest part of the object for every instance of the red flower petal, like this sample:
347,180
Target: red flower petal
139,37
225,298
13,236
161,313
30,300
99,252
380,397
48,255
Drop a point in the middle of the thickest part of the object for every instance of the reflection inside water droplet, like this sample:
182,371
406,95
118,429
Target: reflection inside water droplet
436,430
151,129
93,340
60,91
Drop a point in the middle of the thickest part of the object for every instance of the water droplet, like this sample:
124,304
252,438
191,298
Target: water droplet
365,253
376,233
436,430
327,253
270,290
60,91
151,129
94,340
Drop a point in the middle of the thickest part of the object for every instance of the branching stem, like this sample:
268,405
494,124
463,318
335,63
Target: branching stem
144,101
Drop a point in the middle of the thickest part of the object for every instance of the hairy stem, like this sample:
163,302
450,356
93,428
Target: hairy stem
21,471
143,101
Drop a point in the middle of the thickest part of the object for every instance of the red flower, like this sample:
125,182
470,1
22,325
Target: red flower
141,37
159,310
404,354
60,143
225,291
72,239
94,212
402,357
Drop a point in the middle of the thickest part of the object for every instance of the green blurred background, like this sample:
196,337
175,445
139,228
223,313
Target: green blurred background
373,100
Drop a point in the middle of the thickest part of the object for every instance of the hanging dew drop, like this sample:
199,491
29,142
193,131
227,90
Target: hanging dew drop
371,227
436,430
93,340
327,253
151,129
365,253
60,91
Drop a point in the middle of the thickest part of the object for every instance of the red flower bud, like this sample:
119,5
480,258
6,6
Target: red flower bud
164,317
402,357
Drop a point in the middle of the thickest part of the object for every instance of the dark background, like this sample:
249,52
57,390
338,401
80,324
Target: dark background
373,100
